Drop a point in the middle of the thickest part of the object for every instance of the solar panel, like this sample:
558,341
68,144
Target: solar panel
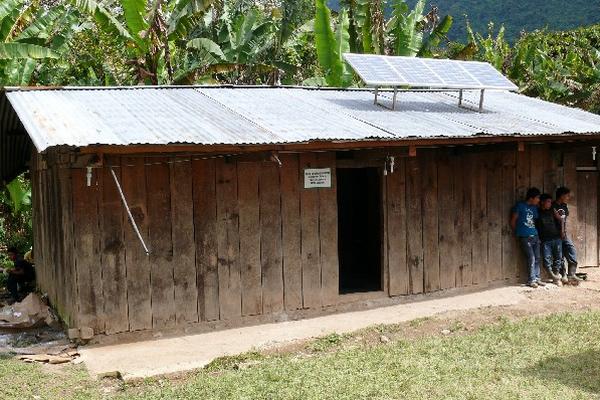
452,74
393,71
487,75
374,69
414,70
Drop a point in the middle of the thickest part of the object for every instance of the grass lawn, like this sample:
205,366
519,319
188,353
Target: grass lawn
556,357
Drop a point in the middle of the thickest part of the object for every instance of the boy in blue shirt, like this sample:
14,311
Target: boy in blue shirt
522,222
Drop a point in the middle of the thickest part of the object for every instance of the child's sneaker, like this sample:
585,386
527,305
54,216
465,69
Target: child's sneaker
558,282
554,275
533,285
541,283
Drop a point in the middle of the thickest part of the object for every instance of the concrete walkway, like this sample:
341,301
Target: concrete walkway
171,355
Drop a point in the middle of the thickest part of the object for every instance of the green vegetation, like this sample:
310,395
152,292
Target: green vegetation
516,16
539,358
562,67
15,217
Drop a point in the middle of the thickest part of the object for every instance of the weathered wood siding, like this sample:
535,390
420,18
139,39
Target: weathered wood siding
232,239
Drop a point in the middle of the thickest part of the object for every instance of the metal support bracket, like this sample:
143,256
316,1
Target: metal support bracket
394,97
481,98
461,97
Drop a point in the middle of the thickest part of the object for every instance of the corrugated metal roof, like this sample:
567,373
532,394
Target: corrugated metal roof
260,115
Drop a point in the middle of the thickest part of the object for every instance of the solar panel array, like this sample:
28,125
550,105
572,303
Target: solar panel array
394,71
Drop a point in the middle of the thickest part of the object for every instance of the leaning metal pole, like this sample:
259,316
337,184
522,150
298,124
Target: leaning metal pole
135,227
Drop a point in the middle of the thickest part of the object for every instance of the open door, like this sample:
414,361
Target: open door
359,229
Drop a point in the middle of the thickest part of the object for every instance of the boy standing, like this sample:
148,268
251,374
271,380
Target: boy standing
550,232
563,196
522,222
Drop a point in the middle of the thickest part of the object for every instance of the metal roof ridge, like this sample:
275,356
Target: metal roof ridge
217,86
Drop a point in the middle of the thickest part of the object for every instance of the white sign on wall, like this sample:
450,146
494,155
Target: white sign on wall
317,178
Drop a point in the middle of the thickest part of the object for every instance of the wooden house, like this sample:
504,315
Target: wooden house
266,204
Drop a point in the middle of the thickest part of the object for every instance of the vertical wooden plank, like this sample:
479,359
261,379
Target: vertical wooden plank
205,223
250,234
581,199
184,253
399,275
114,274
537,165
158,187
133,177
510,250
311,257
591,220
90,301
328,233
291,232
496,218
462,168
230,300
64,174
415,221
449,254
431,254
479,219
270,238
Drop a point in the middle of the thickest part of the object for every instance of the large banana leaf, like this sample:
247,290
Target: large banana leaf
103,17
342,45
8,6
206,45
365,22
183,11
134,11
19,195
435,38
25,50
405,28
329,45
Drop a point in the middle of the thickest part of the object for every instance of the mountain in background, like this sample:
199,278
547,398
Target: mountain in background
516,15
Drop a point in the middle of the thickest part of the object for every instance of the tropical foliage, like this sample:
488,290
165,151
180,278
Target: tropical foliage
516,15
563,67
361,28
15,214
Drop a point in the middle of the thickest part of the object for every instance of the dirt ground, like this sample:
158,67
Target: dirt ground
534,302
538,302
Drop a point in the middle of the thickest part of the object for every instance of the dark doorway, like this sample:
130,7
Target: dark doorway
359,229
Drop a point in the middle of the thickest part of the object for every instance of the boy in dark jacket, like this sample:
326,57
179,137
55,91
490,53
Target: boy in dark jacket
563,196
550,231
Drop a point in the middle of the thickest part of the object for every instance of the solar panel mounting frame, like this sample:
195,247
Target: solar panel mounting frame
404,84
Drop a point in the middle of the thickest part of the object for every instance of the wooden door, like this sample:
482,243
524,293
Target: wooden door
585,235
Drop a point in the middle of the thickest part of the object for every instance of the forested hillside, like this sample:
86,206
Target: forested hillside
516,15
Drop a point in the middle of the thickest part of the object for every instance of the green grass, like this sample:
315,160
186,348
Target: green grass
542,358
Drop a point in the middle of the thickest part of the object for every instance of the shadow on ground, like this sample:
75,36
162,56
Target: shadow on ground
579,371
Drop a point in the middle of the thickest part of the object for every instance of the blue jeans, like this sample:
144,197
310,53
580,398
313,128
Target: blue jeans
531,248
569,252
552,253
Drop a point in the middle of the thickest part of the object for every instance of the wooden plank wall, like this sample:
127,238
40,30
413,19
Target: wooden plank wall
228,239
449,209
231,238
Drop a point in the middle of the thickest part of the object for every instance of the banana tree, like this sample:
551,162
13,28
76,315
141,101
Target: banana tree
149,30
28,34
238,52
404,28
331,45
